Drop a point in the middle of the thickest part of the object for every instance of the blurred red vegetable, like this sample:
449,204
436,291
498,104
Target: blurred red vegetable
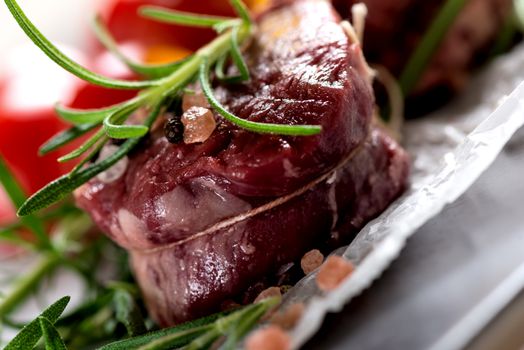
28,91
164,42
126,25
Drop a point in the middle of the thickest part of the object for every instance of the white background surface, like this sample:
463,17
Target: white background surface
64,21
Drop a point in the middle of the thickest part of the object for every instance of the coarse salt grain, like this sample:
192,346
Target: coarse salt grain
268,293
333,272
288,318
269,338
311,261
116,171
199,124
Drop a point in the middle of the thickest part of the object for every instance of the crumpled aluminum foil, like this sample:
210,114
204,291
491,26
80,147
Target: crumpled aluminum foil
450,150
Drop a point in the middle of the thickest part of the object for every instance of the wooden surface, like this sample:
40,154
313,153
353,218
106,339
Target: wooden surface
446,285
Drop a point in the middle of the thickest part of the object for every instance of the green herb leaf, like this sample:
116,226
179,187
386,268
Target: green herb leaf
128,313
223,26
149,70
94,152
220,67
65,137
179,17
67,63
31,334
262,128
429,44
176,340
242,11
17,196
61,187
243,325
86,146
238,59
86,310
12,188
116,131
236,54
203,342
85,116
200,325
27,283
52,339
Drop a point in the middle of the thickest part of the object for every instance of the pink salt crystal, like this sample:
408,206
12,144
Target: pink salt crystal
269,338
311,261
288,318
199,124
268,293
333,272
194,99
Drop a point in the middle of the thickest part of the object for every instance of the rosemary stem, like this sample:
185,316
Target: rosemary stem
27,284
212,52
420,59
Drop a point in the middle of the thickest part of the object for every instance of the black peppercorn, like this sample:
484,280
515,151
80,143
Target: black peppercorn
174,130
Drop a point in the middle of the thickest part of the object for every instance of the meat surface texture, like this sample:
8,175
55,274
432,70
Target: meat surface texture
205,222
395,27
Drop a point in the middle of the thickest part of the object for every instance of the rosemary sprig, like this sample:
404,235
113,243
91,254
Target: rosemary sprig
128,312
85,116
148,70
241,10
68,248
163,15
65,137
31,334
52,339
187,332
263,128
170,80
64,61
51,254
429,44
85,147
200,334
236,54
17,196
61,187
26,284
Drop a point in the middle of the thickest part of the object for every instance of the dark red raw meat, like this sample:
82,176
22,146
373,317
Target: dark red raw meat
205,222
